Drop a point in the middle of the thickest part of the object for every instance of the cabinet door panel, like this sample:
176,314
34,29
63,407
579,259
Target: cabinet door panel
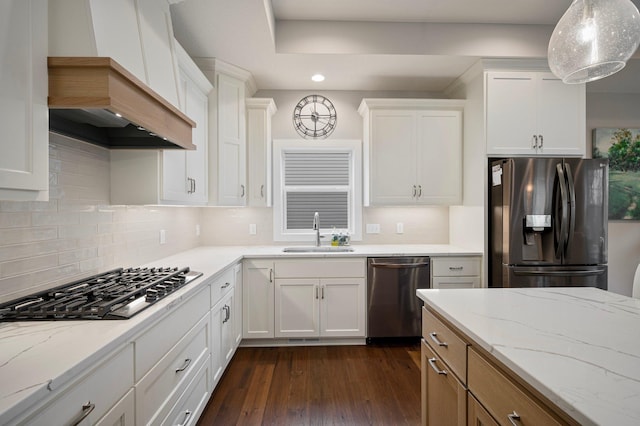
296,307
342,310
393,162
196,107
258,300
562,116
231,142
24,146
439,155
511,113
443,396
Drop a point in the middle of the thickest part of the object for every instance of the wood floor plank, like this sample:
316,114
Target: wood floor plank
319,385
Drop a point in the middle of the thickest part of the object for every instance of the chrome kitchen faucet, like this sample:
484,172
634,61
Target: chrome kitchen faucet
316,227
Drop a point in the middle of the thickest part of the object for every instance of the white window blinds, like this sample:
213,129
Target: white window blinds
317,182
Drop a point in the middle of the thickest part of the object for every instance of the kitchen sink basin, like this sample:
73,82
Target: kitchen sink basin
315,249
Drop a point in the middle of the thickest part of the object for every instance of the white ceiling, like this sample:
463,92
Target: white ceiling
372,45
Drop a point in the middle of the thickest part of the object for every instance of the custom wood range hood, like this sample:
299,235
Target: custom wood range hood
96,100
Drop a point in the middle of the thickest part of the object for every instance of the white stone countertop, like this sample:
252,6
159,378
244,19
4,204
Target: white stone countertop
39,357
580,347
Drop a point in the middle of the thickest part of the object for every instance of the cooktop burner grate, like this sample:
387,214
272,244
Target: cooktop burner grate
116,294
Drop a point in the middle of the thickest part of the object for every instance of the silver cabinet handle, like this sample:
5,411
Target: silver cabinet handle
437,341
242,194
187,416
456,268
225,285
270,275
227,313
322,292
86,410
514,418
184,365
432,363
419,191
316,292
262,191
535,142
541,141
194,186
415,191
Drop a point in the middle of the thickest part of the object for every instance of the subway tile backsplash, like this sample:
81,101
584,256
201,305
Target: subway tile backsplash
77,232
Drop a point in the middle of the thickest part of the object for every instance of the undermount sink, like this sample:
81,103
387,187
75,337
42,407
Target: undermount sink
316,249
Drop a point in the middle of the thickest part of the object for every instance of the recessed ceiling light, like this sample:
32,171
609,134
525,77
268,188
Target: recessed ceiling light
317,77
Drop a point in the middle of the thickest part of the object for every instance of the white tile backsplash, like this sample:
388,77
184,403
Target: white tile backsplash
77,232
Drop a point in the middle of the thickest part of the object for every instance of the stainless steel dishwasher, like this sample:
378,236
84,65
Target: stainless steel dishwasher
393,309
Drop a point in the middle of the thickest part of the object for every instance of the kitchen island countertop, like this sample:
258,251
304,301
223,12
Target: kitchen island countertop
37,358
579,347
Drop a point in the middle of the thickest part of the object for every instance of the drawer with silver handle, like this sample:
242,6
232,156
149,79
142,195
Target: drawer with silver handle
455,266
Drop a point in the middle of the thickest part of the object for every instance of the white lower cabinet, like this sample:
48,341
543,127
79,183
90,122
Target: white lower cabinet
320,298
123,413
311,307
455,272
99,396
226,312
161,387
191,404
258,299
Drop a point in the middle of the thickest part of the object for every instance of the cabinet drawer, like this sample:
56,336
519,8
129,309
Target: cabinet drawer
192,402
103,388
320,268
455,282
449,347
455,266
159,389
162,336
478,416
221,285
501,397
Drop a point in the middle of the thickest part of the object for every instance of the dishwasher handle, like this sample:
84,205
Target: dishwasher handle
400,265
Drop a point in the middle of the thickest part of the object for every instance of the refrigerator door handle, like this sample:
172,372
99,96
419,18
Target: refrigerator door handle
561,231
562,273
572,206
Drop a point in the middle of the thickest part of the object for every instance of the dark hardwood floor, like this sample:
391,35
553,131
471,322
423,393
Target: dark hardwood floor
319,385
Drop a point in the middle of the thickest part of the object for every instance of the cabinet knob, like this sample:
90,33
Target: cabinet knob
434,337
86,410
514,419
432,363
184,365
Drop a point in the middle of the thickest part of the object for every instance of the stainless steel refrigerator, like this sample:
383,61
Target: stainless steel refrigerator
548,222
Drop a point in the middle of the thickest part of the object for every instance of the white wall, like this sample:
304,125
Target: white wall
617,110
77,233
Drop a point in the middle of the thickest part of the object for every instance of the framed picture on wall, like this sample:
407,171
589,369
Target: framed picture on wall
622,148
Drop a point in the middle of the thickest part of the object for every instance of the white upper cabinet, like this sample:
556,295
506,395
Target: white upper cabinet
534,113
137,34
232,141
259,142
24,115
413,151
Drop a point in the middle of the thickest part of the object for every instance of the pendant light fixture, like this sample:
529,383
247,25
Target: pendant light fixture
594,39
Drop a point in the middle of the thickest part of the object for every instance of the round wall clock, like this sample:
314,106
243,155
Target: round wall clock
314,117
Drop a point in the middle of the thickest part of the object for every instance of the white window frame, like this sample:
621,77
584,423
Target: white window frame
354,147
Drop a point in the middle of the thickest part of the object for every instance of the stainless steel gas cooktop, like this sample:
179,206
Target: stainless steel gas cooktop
116,294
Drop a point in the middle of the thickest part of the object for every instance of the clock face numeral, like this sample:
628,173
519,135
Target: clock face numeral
314,116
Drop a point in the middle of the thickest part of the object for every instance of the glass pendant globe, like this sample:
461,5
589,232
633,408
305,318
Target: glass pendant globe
593,39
